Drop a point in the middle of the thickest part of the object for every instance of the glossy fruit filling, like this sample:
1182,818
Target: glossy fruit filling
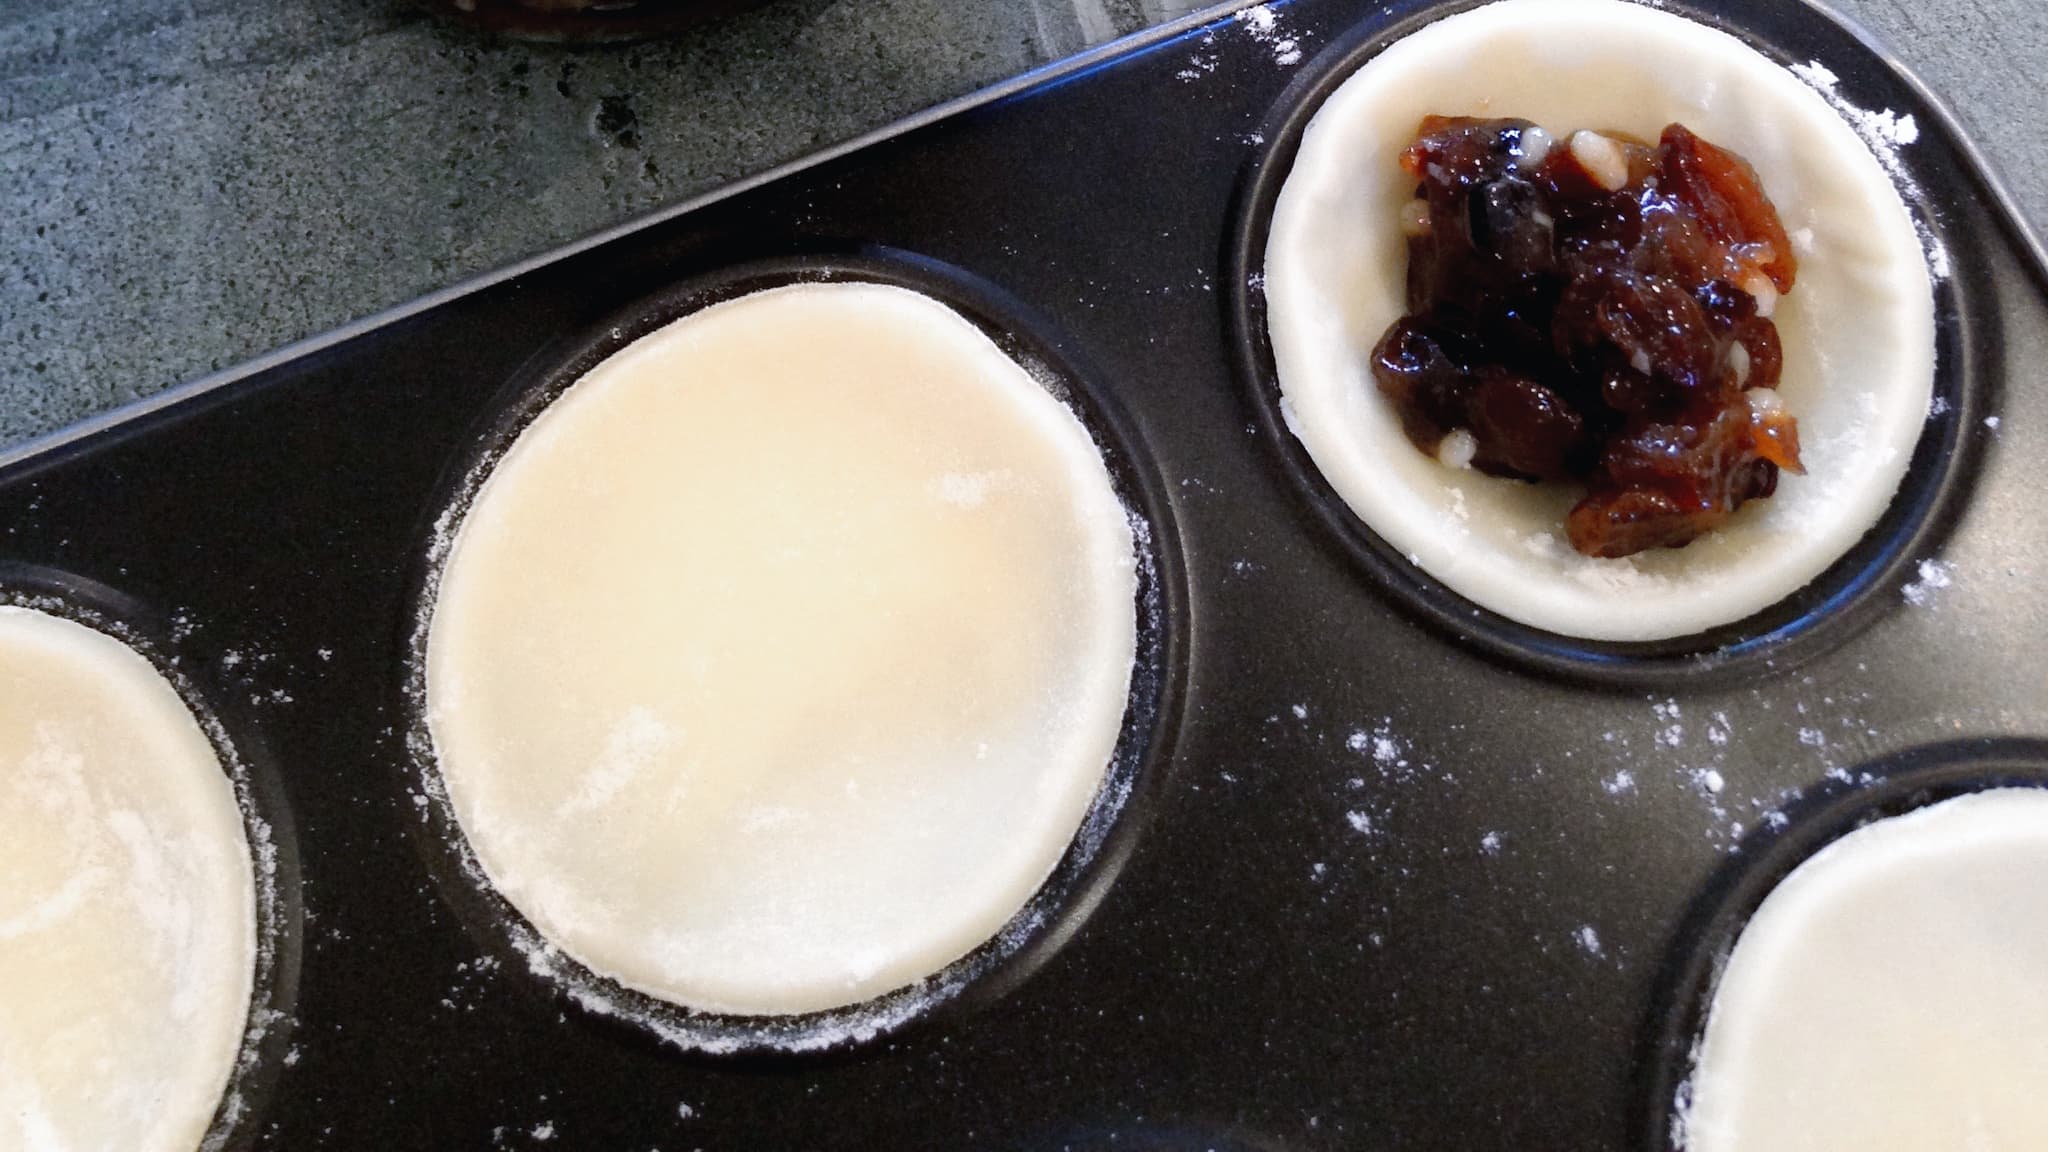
1595,309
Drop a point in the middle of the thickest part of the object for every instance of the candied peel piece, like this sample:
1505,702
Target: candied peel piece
1727,198
1588,307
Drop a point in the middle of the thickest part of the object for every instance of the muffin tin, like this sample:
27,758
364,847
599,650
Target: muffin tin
1391,874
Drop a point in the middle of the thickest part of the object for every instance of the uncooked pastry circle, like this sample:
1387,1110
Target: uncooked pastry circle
127,899
1888,995
776,664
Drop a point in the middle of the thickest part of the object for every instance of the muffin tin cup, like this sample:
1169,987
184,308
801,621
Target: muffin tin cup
260,797
1109,828
1852,592
1390,875
1892,786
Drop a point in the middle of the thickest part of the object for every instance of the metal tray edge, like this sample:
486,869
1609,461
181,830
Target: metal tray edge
1045,74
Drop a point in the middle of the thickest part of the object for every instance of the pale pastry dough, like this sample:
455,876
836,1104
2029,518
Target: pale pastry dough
1891,994
1858,328
127,903
777,663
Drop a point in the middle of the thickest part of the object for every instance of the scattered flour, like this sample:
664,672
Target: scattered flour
1264,25
1588,940
1935,575
1390,754
1202,62
1490,843
1719,730
1652,754
1884,130
967,489
639,739
1887,133
1371,804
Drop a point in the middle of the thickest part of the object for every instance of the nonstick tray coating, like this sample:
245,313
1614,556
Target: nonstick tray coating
1407,879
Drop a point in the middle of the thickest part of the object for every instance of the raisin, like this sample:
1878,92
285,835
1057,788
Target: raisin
1659,329
1523,428
1508,223
1725,305
1616,522
1427,388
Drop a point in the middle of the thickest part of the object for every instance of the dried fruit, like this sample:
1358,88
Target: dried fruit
1595,312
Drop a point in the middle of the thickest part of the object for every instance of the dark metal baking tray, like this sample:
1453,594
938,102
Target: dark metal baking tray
1409,878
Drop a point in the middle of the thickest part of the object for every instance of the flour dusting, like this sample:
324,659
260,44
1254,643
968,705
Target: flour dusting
967,489
636,742
1886,133
1202,63
1588,940
1264,25
1935,575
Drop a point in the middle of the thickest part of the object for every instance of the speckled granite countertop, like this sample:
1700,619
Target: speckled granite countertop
185,184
